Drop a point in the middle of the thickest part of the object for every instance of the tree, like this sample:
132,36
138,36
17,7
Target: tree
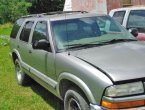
43,6
10,10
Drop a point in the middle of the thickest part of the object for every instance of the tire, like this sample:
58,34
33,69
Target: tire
22,78
74,100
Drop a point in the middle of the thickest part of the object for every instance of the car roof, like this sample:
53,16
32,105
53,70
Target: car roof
60,16
137,7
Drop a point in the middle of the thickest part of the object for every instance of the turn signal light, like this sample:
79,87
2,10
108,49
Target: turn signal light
122,105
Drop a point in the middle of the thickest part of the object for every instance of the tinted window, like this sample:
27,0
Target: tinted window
137,20
83,31
40,31
106,25
118,16
16,28
26,31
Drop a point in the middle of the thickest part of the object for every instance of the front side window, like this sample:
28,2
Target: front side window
40,31
26,31
73,32
137,20
118,16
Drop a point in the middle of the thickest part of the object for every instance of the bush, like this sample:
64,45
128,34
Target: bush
10,10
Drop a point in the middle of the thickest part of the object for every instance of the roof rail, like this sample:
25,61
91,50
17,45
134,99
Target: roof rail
34,15
75,11
63,12
52,13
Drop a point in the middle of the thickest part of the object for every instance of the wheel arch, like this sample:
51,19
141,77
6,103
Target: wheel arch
67,80
15,55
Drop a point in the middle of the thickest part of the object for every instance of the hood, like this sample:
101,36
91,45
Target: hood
120,61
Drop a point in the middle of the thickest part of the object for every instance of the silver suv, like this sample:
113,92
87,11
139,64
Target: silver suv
89,61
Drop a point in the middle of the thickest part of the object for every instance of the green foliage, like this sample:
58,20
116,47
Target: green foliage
4,40
5,31
43,6
10,10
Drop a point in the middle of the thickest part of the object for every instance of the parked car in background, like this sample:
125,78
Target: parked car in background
130,18
89,61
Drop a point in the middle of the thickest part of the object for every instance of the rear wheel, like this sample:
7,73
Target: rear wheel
21,77
74,100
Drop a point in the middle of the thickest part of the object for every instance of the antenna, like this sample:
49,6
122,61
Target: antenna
67,34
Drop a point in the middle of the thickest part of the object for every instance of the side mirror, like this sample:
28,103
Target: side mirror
134,32
41,44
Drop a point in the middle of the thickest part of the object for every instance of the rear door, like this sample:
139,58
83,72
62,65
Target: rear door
24,45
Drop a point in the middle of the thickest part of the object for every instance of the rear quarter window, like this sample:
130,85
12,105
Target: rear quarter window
16,28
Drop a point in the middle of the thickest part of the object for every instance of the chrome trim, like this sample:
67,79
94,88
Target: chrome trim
40,75
124,99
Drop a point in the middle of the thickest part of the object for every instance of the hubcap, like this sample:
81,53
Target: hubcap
73,105
19,72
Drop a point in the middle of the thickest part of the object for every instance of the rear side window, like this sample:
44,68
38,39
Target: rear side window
16,28
26,31
118,16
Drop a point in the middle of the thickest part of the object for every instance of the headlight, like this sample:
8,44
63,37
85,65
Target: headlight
125,89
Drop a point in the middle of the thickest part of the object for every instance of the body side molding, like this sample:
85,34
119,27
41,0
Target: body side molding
40,75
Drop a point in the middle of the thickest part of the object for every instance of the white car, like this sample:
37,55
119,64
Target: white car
131,17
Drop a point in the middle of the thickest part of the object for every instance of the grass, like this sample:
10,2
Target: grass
5,29
5,33
15,97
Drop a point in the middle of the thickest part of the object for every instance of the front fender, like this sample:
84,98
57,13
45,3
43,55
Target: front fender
79,83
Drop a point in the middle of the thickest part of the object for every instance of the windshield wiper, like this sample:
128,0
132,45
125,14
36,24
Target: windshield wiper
71,46
100,43
119,40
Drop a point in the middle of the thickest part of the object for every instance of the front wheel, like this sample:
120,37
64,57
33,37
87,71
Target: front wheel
74,100
21,77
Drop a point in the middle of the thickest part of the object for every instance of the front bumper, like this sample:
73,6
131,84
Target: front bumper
96,107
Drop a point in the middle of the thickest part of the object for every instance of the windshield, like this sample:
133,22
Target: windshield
90,30
137,20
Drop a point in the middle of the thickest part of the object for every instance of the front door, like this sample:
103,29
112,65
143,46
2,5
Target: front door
42,61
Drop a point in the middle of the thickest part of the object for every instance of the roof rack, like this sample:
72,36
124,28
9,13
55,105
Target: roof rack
34,15
63,12
53,13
